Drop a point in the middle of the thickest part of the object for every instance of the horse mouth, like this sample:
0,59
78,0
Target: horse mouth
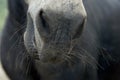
50,57
47,60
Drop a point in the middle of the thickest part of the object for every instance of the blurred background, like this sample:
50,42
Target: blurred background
3,12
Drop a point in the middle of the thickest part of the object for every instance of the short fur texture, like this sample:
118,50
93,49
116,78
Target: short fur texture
96,54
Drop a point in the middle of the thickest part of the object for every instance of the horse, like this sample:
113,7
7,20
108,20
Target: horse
62,40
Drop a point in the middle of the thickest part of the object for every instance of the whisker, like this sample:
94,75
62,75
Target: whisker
28,67
13,46
17,32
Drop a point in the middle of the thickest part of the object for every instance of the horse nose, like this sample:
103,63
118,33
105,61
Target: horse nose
54,17
58,23
48,21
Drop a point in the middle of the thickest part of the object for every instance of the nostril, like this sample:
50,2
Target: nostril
41,12
79,29
44,21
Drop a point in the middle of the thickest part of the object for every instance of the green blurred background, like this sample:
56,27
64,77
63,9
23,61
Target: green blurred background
3,12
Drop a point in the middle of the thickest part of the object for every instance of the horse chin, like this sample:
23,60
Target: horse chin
55,70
